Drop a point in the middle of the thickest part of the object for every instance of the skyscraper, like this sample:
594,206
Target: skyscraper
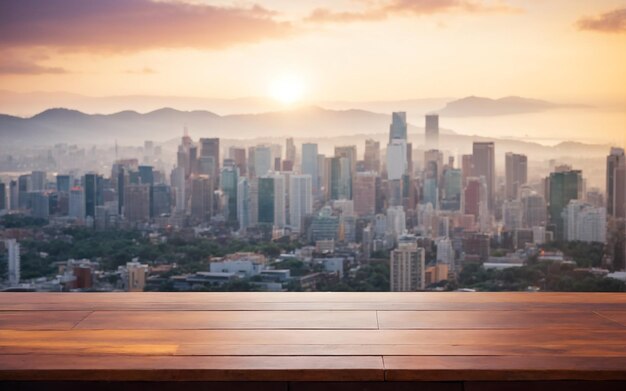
92,186
64,183
432,131
371,156
229,183
340,181
210,147
239,156
398,127
300,200
616,183
3,196
516,169
201,198
583,222
137,203
365,188
38,180
484,162
243,204
77,203
396,159
407,266
13,249
564,186
310,165
271,200
161,200
262,160
290,150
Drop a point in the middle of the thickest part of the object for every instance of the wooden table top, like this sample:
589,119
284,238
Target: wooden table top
312,336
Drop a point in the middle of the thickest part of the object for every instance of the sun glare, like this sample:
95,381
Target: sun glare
287,89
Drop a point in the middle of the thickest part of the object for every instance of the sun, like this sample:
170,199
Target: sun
287,89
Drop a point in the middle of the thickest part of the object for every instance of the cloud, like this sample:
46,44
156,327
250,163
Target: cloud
408,7
19,67
132,25
142,71
609,22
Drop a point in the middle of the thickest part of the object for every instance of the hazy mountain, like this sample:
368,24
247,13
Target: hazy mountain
64,125
474,106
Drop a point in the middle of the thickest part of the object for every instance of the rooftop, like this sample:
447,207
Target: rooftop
306,337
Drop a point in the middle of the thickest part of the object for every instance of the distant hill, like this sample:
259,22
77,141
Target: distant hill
64,125
474,106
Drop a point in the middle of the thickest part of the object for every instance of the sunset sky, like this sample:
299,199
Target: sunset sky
564,50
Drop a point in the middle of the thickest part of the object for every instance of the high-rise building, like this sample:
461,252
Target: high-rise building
371,157
230,183
77,203
13,195
38,180
407,266
398,127
452,188
474,195
40,204
516,167
290,150
137,203
239,156
396,221
534,210
616,183
583,222
396,159
3,196
201,198
262,160
467,167
13,249
64,183
93,188
161,200
365,188
512,215
340,180
310,165
432,131
24,186
210,148
300,200
564,186
243,204
484,162
271,200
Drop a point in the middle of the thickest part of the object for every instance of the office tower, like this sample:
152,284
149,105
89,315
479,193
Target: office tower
512,215
92,186
262,160
161,200
365,193
177,180
137,203
300,200
398,127
407,266
64,183
467,167
239,156
24,186
348,152
201,198
452,188
13,195
564,186
396,221
616,183
77,203
229,183
583,222
290,150
3,196
13,249
38,180
146,177
516,170
340,181
271,200
472,194
445,251
372,155
483,159
396,159
310,165
40,205
534,210
432,131
243,204
210,148
324,226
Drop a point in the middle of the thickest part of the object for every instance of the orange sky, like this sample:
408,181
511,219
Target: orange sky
563,50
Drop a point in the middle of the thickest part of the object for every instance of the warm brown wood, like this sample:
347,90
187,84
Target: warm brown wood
300,337
198,320
493,320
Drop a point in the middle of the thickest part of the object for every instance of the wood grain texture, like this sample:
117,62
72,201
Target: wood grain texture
481,338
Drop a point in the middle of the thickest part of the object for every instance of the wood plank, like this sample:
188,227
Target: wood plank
589,337
545,386
187,368
375,386
493,320
188,320
143,385
35,320
503,368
